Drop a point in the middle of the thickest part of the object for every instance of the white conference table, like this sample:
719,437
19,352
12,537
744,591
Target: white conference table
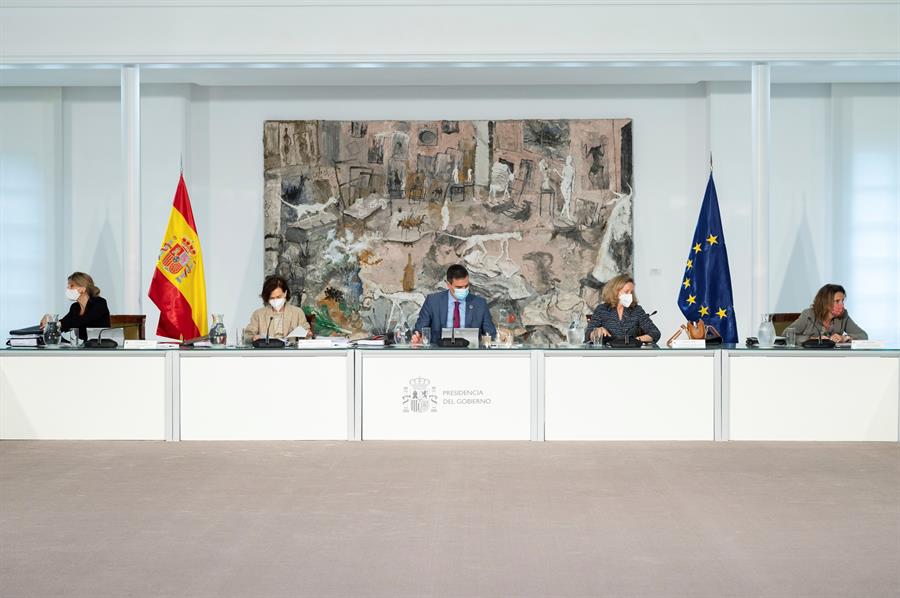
86,395
536,393
811,395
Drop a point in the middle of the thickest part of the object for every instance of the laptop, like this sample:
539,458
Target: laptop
470,334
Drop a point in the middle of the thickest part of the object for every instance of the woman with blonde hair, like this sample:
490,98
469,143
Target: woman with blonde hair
827,318
618,315
89,309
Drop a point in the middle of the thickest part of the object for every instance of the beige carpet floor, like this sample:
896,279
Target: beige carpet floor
322,519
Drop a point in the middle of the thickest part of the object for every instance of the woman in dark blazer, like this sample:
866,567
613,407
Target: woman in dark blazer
619,316
88,309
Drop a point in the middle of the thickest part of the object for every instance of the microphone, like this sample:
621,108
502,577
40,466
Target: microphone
650,343
818,342
268,343
453,342
100,342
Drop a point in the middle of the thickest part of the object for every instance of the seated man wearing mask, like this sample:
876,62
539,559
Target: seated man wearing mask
454,308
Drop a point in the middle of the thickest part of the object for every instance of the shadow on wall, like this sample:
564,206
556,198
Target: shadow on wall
802,274
106,267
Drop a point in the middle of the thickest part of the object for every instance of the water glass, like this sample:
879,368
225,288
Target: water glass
73,338
426,336
238,337
790,337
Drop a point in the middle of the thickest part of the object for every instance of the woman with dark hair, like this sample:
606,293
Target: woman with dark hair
89,309
276,319
827,318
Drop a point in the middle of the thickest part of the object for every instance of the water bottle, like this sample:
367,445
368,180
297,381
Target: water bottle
575,333
217,334
52,333
766,334
402,334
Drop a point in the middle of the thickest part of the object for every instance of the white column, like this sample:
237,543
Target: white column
761,98
131,164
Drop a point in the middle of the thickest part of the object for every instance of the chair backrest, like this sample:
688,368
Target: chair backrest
782,321
311,318
133,325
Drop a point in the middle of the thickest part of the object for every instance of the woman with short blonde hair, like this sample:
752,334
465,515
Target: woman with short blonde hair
609,295
618,315
89,309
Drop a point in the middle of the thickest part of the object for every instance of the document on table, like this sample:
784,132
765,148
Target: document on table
298,332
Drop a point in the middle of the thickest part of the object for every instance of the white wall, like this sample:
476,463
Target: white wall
728,130
370,30
226,181
801,202
865,235
165,139
816,128
31,213
92,187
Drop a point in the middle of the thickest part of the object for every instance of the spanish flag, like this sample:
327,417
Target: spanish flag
178,288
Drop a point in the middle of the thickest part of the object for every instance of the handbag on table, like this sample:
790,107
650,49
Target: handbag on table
698,330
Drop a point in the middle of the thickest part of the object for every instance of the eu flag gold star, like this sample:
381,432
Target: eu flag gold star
722,313
704,311
690,264
712,239
687,282
697,248
692,299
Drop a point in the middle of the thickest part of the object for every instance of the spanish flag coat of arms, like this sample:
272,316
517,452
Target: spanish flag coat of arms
178,287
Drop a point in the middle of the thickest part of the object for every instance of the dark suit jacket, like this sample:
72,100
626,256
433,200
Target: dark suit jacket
434,315
96,315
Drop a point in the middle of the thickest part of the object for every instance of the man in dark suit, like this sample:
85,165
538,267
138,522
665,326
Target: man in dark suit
454,308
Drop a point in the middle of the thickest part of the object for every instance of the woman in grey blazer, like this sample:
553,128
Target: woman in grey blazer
827,318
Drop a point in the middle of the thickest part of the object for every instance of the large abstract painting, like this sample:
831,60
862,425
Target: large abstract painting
364,217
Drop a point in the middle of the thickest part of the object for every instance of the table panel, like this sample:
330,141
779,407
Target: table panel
291,395
824,396
630,396
68,395
443,395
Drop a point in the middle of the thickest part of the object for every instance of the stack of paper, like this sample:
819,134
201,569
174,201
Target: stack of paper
370,342
29,340
32,336
314,343
324,342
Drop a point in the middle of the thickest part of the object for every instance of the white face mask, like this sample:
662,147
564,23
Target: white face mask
72,294
277,304
626,299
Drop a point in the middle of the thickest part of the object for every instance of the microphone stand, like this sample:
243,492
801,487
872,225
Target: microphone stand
100,342
268,343
819,342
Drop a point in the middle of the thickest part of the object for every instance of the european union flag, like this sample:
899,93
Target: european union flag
705,292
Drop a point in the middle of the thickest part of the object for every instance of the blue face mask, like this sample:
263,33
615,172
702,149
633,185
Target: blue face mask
461,293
